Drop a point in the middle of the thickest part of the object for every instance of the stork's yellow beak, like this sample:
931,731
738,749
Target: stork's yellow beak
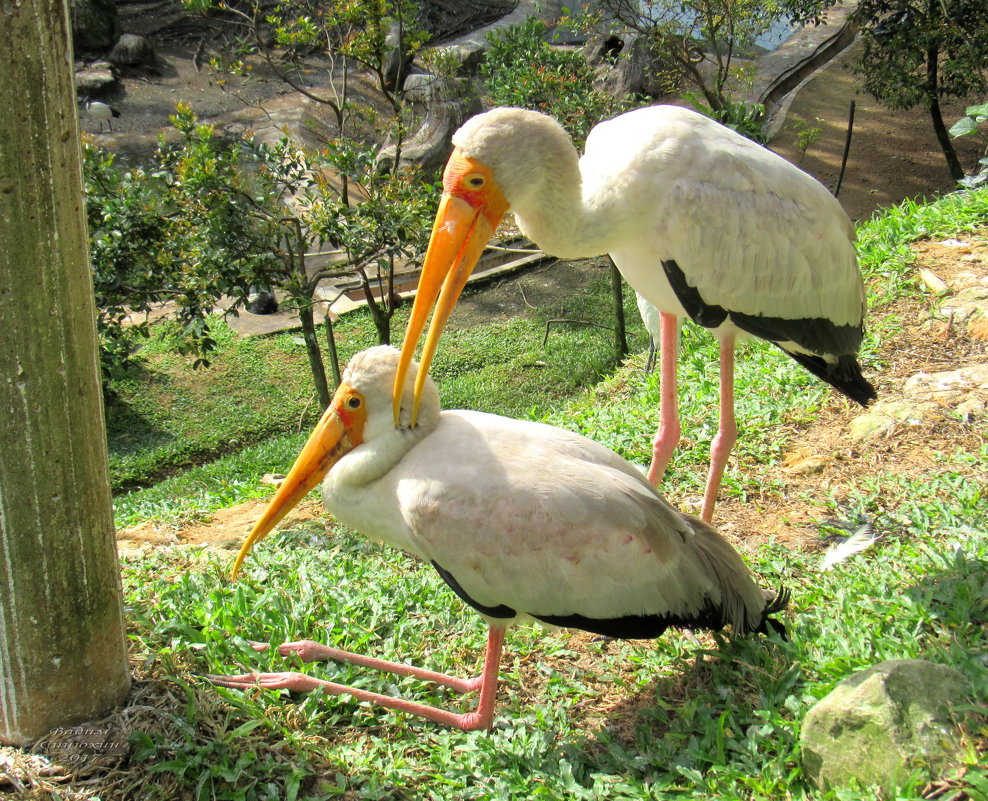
339,431
470,211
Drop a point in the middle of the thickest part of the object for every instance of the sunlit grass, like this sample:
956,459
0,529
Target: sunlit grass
719,720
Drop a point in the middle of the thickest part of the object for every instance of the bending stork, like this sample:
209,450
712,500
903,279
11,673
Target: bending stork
702,223
522,520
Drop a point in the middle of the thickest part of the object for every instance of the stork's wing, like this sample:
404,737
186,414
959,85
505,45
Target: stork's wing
750,232
547,523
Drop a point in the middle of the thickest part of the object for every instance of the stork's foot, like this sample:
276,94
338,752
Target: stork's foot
292,680
308,650
312,651
301,682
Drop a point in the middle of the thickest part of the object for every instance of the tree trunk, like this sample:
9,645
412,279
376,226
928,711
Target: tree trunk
932,85
63,657
620,328
334,355
315,356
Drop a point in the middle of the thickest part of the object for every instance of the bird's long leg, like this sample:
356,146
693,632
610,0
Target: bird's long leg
311,651
481,718
667,437
727,430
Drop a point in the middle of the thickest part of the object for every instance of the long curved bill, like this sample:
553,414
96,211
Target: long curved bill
464,224
326,445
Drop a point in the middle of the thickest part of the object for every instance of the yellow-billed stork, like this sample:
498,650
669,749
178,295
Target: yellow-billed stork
702,222
522,520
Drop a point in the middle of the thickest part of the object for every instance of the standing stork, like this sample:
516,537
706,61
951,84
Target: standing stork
102,112
522,520
702,222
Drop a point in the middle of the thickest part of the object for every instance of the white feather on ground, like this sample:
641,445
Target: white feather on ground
859,541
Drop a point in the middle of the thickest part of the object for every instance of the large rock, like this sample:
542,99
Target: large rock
880,725
94,24
445,105
132,50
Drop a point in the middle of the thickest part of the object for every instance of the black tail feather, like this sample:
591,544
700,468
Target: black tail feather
844,376
779,602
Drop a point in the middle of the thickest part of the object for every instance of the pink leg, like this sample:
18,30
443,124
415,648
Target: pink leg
667,437
727,430
481,718
311,651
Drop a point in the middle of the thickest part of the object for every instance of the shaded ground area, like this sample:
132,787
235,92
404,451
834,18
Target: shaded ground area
894,155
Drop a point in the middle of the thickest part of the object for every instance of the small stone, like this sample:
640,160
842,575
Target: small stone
811,465
949,387
272,479
933,281
884,415
978,328
972,408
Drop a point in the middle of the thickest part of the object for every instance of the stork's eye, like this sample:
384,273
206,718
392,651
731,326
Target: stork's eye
475,181
353,402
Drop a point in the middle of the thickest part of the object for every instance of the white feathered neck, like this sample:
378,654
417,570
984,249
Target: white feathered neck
372,373
537,169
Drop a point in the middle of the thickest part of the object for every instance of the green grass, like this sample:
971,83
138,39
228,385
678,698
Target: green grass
883,241
714,721
168,416
719,721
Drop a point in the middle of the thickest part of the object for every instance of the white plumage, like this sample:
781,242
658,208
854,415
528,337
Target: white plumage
651,319
703,223
102,112
521,519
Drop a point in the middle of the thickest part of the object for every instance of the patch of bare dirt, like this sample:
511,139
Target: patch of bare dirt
825,459
226,529
894,155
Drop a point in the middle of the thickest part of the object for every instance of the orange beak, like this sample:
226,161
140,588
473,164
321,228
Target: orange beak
465,222
338,432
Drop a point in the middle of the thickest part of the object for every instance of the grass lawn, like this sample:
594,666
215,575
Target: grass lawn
258,393
577,719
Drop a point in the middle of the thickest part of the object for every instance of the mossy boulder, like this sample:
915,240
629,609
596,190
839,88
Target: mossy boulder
880,725
95,26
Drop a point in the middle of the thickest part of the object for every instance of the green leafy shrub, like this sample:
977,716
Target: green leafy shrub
521,69
124,211
745,118
971,124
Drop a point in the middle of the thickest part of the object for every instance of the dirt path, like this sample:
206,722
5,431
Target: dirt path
894,155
